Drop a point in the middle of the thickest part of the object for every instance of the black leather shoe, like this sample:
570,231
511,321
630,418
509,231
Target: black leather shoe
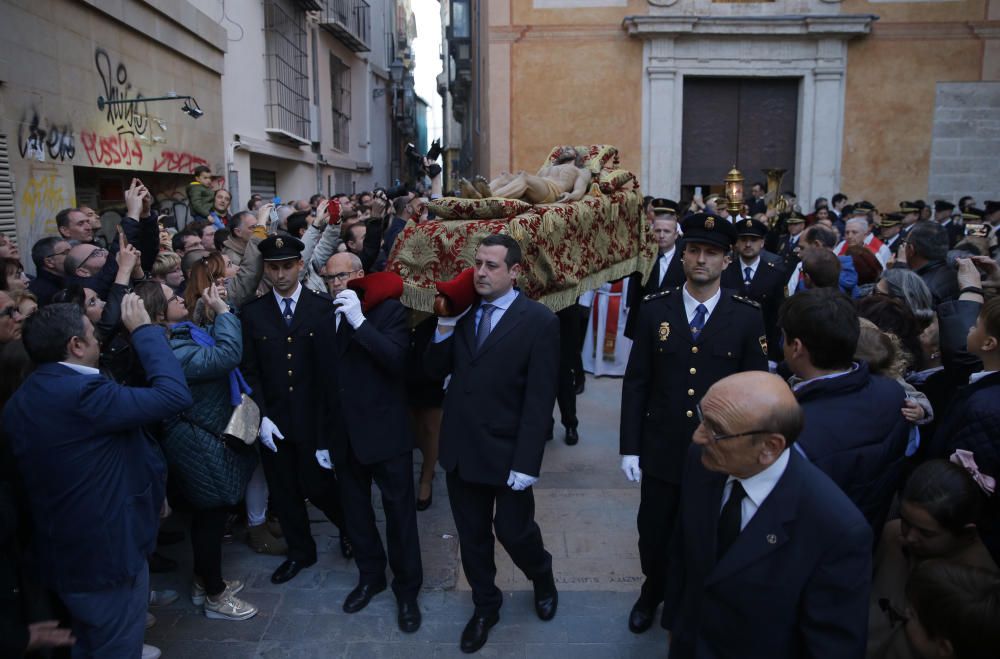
160,563
477,631
287,570
572,436
546,596
641,617
346,548
358,598
581,386
409,615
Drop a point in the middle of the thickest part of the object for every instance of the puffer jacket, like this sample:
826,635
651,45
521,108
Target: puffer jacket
208,472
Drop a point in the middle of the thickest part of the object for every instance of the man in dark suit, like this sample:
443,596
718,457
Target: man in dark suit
503,358
281,354
760,276
95,481
668,271
364,354
688,338
770,559
943,215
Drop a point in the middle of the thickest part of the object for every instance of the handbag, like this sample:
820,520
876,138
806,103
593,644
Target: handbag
244,423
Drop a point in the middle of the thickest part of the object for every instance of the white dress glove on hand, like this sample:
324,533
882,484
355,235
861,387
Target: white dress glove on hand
349,306
323,458
451,321
518,481
268,433
630,465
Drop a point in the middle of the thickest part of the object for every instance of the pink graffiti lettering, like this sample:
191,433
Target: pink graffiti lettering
113,150
177,162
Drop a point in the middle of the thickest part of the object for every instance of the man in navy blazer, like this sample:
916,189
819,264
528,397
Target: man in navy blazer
94,479
770,558
503,357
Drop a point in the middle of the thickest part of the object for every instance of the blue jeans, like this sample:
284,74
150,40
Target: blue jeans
110,623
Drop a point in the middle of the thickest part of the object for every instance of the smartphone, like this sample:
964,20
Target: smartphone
697,192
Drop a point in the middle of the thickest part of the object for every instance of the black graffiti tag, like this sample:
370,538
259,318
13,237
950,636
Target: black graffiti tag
127,118
58,141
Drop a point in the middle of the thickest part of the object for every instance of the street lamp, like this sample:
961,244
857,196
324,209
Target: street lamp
190,106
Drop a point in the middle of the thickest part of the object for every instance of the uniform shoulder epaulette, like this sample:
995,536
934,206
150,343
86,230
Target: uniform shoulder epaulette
657,295
746,300
320,294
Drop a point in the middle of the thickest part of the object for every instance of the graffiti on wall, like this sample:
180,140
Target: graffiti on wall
44,193
177,162
37,138
126,118
115,151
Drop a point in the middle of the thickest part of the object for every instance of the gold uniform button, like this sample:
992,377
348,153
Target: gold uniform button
289,374
694,349
690,414
291,388
693,371
289,339
690,392
289,355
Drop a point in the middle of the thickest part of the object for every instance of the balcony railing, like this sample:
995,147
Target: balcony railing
349,21
286,78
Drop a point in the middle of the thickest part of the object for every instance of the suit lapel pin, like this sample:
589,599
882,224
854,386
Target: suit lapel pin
664,331
772,539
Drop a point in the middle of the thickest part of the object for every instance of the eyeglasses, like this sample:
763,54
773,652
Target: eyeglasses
338,276
62,253
719,438
100,251
10,312
176,298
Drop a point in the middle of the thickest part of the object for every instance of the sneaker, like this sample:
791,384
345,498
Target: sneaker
162,597
150,620
198,593
150,652
262,541
229,607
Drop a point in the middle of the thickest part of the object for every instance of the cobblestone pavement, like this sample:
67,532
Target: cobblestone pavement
586,510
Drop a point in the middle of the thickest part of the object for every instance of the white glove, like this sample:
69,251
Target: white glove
518,481
268,432
349,306
630,465
451,321
323,458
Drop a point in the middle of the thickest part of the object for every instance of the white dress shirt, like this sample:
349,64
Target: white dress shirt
81,369
664,263
973,379
752,265
501,305
758,487
691,304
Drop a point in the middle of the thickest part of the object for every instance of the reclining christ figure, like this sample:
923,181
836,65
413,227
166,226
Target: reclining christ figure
565,181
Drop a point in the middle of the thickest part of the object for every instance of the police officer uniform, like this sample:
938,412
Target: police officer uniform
766,285
954,229
671,365
667,271
788,243
906,209
281,355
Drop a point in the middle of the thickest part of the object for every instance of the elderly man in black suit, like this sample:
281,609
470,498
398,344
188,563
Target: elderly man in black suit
281,358
503,358
364,354
770,558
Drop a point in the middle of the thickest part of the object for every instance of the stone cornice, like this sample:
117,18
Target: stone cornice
819,26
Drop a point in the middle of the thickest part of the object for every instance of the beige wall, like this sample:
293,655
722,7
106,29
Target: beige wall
892,78
60,56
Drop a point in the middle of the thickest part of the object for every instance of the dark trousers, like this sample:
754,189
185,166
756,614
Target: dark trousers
656,519
570,363
472,506
110,623
293,475
394,478
207,528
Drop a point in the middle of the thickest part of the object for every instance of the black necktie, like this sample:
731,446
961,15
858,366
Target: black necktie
287,313
730,519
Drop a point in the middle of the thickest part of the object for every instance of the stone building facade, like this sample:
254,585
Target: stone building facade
882,99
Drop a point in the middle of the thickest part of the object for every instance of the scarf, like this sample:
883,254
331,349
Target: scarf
237,385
